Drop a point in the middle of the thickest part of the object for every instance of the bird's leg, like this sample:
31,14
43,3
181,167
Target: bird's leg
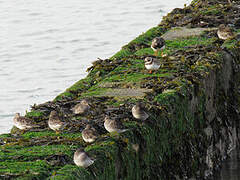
156,53
162,54
150,72
229,1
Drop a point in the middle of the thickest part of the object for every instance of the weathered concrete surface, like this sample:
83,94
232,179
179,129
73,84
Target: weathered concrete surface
184,32
127,92
221,112
114,89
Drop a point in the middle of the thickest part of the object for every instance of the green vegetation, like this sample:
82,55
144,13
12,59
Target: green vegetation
212,10
34,114
141,41
78,87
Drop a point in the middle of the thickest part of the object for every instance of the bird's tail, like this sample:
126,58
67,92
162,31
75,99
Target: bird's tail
64,125
123,130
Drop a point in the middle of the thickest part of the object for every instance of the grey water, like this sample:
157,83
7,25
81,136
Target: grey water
47,45
230,168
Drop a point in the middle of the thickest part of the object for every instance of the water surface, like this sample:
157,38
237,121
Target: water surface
230,167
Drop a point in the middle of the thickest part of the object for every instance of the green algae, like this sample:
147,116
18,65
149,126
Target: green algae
191,41
95,91
122,54
35,114
212,10
25,170
78,87
34,152
230,44
144,51
70,172
134,77
181,43
144,39
5,135
29,135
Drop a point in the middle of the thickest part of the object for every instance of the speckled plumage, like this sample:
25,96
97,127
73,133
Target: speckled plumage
152,63
54,122
89,134
22,122
113,125
139,112
224,32
81,107
82,159
158,43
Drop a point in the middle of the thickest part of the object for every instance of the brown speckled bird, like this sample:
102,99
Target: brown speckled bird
23,123
139,112
112,125
89,134
224,32
55,123
158,43
82,159
81,107
152,64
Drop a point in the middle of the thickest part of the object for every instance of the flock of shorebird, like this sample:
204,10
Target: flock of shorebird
90,134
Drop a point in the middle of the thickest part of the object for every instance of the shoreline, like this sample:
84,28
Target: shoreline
71,65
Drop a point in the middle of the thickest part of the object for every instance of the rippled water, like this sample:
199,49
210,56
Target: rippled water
46,45
230,168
